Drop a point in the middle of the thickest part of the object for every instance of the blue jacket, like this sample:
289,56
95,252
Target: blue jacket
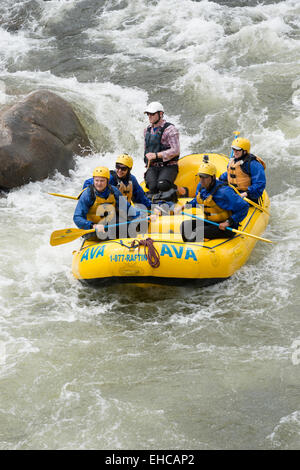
226,198
86,200
138,195
258,178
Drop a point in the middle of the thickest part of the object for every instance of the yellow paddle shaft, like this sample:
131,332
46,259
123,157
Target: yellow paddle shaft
63,195
250,235
230,228
256,205
250,202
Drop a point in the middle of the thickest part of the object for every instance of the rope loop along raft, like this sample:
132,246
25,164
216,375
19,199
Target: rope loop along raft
152,255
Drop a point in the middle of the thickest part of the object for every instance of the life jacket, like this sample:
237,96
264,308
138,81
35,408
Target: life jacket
238,171
103,210
212,211
153,144
126,188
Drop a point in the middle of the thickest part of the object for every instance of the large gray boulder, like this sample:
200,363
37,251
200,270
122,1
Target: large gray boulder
38,136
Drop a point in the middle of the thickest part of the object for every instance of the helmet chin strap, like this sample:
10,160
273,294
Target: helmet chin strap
159,118
124,177
213,180
243,154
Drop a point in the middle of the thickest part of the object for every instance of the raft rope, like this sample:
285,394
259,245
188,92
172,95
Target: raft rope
152,255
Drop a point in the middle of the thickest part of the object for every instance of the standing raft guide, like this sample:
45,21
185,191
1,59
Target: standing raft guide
159,248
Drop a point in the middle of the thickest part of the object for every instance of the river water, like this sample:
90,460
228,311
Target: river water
140,367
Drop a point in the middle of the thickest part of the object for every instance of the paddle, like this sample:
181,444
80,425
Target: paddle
229,228
250,202
66,235
68,197
256,205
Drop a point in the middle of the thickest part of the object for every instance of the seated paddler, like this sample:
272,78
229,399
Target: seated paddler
245,171
126,183
221,204
103,207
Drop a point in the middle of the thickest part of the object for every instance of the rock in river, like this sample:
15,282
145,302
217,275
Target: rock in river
38,136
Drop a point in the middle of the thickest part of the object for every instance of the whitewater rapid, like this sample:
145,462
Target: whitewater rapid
143,367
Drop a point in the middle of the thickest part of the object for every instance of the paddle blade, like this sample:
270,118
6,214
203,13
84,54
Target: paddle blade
66,235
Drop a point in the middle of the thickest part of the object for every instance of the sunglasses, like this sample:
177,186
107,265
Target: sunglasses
151,114
122,168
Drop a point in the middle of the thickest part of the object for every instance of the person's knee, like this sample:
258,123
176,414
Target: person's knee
90,236
152,186
151,183
164,185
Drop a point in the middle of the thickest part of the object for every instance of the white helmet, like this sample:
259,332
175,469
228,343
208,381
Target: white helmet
154,107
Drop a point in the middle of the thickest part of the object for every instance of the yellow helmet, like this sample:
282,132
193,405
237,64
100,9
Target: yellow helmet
241,144
207,168
102,172
125,159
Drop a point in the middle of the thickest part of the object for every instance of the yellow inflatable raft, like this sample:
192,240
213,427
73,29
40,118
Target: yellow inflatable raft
175,262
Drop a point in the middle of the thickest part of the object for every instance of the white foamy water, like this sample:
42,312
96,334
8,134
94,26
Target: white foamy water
152,367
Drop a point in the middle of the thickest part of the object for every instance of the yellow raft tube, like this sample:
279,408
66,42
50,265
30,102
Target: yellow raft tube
125,260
